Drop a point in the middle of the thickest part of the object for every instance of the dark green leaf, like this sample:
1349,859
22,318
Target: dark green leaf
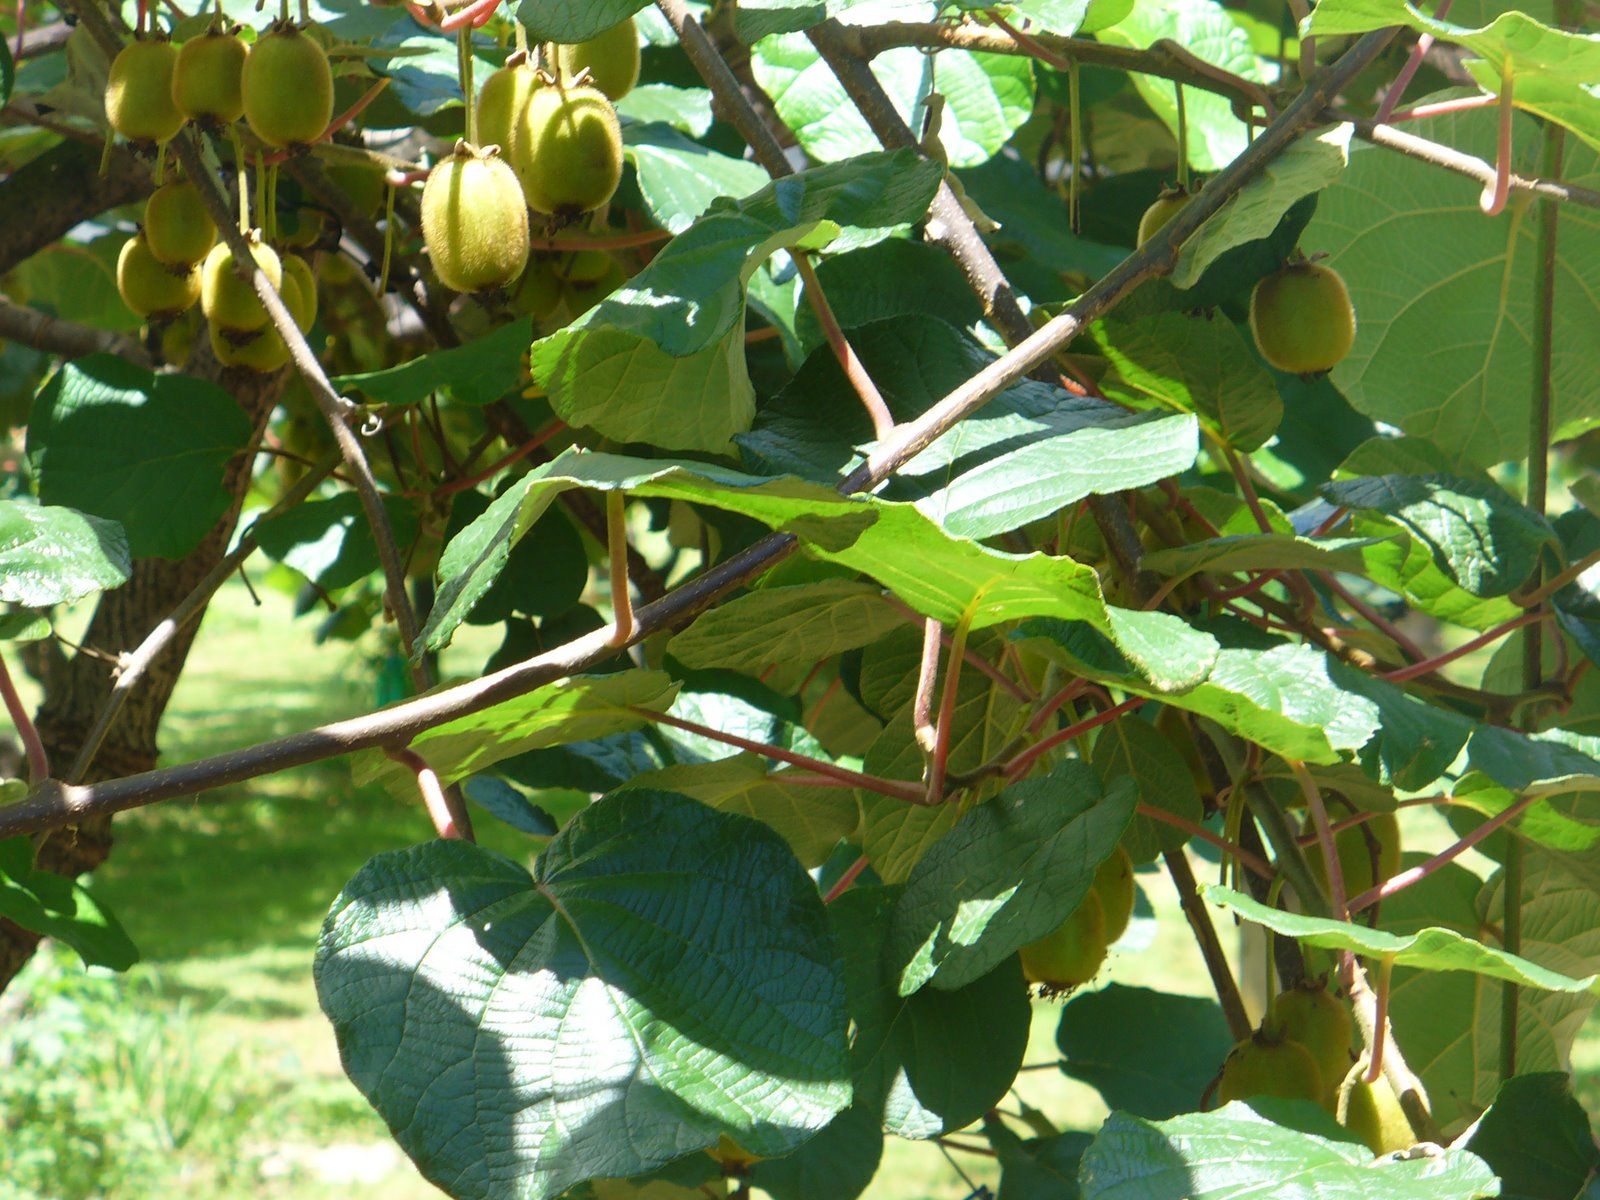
573,20
22,626
785,625
499,799
523,1034
479,372
148,451
591,766
1132,748
679,178
1012,870
1537,1139
1149,1053
330,541
46,903
897,277
838,1163
1044,1168
54,555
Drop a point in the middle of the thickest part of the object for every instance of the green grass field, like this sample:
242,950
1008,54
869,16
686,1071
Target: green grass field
207,1071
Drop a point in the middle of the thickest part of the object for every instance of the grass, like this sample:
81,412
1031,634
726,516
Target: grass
207,1071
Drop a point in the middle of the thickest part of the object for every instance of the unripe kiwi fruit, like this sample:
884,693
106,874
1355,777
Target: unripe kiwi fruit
149,287
288,87
1372,1112
538,293
503,106
364,186
1167,205
300,298
582,266
177,226
582,296
1266,1065
1113,883
611,58
1356,851
207,78
1073,952
1319,1021
261,350
229,302
474,221
1302,318
139,91
570,161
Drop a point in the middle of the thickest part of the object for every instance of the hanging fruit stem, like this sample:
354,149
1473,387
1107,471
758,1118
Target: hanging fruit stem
464,69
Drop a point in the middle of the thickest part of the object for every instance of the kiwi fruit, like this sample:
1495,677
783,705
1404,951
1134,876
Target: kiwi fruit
582,295
570,160
139,92
288,87
1372,1112
1267,1064
474,221
611,58
582,266
177,226
538,293
207,78
503,106
363,186
231,303
1319,1021
1113,883
1302,318
149,287
1073,952
301,298
1167,205
261,350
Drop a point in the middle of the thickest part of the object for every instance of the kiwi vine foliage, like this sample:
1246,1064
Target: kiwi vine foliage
889,555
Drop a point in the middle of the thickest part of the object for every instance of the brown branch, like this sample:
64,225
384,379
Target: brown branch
54,335
1469,165
1205,936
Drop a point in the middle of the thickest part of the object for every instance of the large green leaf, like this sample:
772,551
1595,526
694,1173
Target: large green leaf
1148,1053
329,541
1536,1138
1483,540
53,555
940,576
1235,1153
1553,71
46,903
662,360
1011,871
914,1058
988,97
145,450
679,178
1433,949
1132,748
573,20
480,372
577,709
1206,30
1258,552
1419,256
785,625
665,976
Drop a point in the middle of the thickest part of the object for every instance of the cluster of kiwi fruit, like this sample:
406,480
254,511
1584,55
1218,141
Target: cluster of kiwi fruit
1072,954
1302,1052
550,145
1300,315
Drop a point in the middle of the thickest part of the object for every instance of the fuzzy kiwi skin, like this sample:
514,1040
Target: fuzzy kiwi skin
301,298
177,226
288,88
207,80
1302,318
151,288
1264,1065
1073,953
503,108
570,162
263,350
1167,205
474,221
365,186
139,91
611,58
538,293
231,303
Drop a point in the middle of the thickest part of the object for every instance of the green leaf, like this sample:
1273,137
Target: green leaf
1553,71
1536,1138
662,360
479,372
330,541
1483,540
804,623
811,820
1193,365
1206,30
1258,552
839,1162
1405,565
521,1034
1415,743
1148,1053
1433,949
46,903
896,277
1466,273
1236,1153
686,109
575,709
679,178
1311,163
1012,870
21,626
8,71
573,20
915,1059
988,97
77,280
1132,748
1545,763
544,575
53,555
756,19
1044,1168
116,441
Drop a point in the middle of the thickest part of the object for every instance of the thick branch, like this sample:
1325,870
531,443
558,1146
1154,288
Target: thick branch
44,199
53,335
1471,166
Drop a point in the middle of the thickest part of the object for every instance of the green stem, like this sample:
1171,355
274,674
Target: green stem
464,68
1183,139
1074,180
